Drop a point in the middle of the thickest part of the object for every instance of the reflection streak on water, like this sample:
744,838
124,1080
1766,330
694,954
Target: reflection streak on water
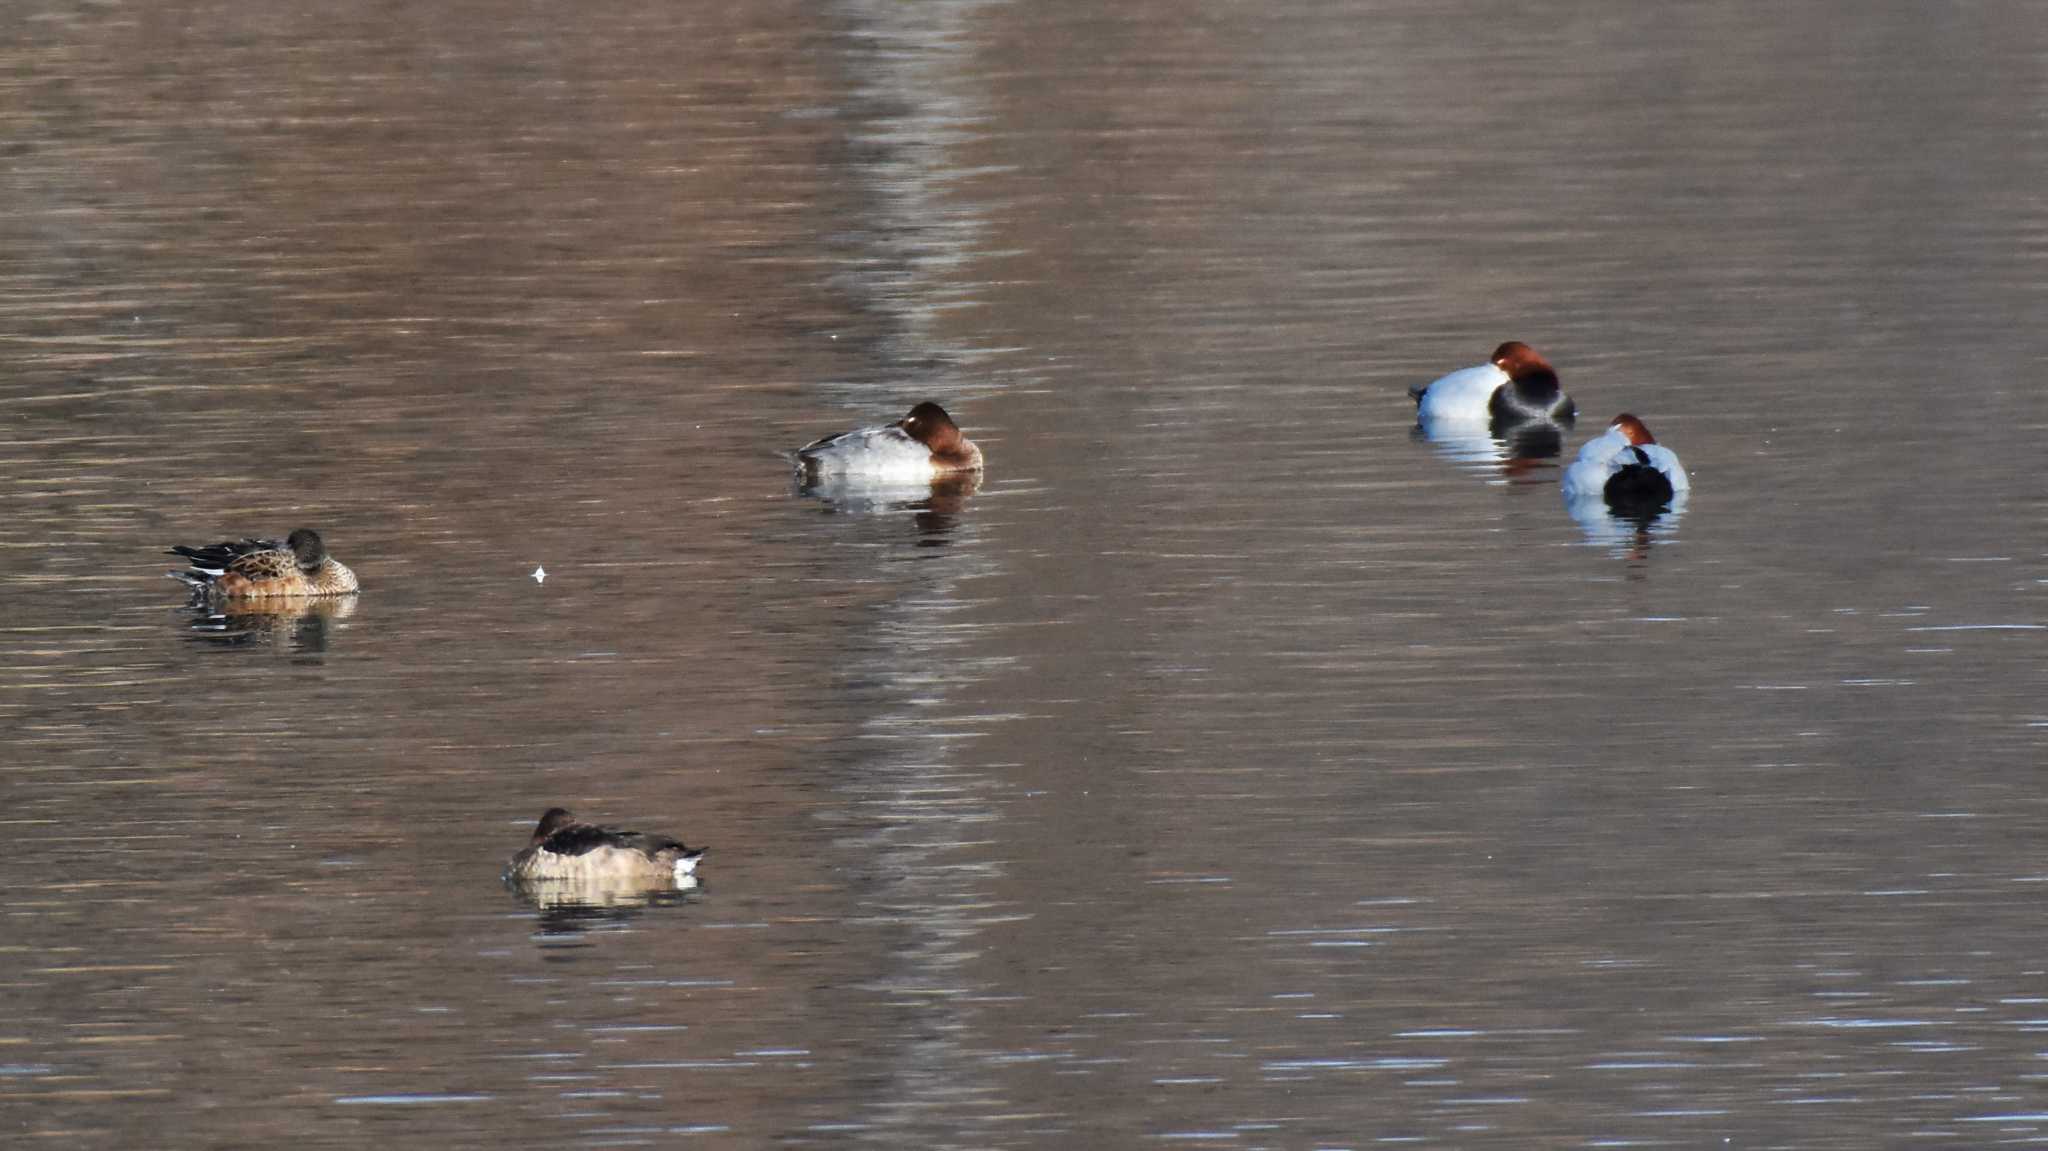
929,818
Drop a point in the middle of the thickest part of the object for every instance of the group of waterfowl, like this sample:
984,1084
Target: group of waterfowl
588,858
1624,470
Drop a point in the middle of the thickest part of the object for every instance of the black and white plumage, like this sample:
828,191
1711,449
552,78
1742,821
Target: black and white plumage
1515,384
1626,471
920,447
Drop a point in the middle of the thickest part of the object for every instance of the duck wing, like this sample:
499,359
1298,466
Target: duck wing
216,558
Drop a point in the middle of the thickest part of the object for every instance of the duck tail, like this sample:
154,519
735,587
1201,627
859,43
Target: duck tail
1637,487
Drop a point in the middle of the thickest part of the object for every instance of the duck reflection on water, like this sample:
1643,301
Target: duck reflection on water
1519,450
934,505
600,894
1627,535
572,909
293,624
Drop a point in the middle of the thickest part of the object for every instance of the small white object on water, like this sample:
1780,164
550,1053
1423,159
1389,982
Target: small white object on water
540,574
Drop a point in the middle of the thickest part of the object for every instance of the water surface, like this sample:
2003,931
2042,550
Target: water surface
1229,768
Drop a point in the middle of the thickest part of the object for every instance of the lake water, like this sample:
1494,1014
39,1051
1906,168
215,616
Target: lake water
1231,769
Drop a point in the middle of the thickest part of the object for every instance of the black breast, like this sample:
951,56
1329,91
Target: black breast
1535,396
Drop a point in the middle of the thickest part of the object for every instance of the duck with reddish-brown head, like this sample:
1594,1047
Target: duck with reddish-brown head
1516,384
1626,471
922,446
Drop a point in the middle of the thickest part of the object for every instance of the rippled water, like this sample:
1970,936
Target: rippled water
1232,767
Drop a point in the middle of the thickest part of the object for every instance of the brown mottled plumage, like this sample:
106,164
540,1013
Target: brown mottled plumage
565,848
253,568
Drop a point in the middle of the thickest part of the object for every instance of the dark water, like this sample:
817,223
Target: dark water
1230,769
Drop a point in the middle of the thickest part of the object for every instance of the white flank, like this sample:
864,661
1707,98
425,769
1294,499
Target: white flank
883,453
1606,454
1462,395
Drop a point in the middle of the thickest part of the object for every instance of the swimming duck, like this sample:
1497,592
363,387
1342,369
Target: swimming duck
566,848
920,446
1516,384
1626,469
253,568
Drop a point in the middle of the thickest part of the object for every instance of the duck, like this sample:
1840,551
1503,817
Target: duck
298,566
565,848
1627,470
922,446
1514,385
